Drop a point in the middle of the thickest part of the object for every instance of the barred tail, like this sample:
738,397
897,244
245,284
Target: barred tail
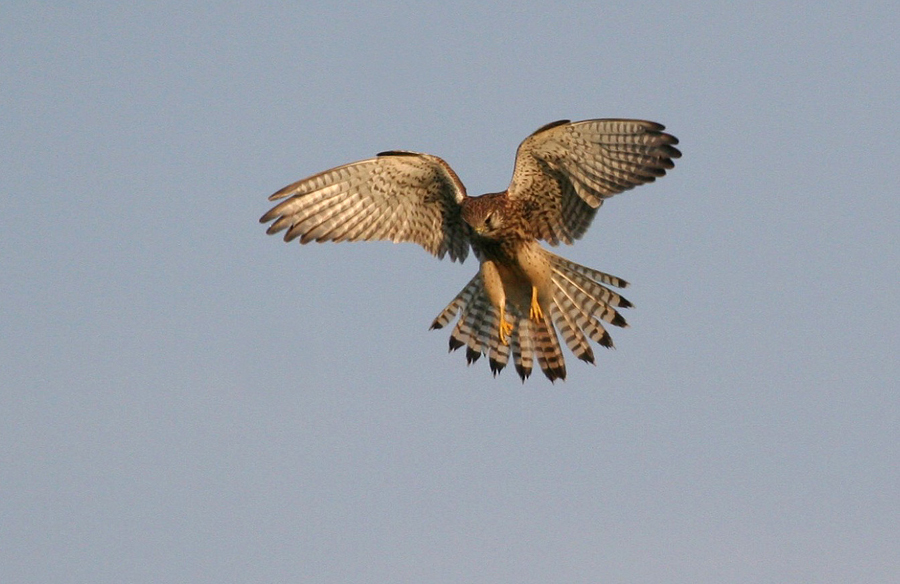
582,300
477,327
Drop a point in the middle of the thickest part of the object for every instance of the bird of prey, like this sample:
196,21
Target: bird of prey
522,294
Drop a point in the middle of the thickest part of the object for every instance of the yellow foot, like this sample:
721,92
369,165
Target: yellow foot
506,329
536,313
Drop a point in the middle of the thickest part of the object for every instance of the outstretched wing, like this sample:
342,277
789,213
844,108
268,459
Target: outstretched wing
397,196
565,170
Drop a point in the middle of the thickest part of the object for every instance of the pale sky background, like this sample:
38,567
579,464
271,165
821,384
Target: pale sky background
185,399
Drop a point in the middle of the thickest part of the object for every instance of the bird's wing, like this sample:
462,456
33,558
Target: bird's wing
565,170
397,196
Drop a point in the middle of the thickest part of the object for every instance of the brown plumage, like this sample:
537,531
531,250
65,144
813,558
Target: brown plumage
523,295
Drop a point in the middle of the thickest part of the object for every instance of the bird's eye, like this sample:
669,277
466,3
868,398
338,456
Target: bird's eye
489,220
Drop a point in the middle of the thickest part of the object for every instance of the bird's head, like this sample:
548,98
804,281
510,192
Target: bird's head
485,215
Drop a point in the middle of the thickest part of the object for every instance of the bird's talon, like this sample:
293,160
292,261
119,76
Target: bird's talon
506,329
535,313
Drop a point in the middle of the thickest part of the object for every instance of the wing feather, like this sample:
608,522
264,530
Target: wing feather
397,196
565,170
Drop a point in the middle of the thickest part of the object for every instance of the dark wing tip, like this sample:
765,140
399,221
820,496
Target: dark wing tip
668,139
670,150
273,214
667,143
648,125
284,192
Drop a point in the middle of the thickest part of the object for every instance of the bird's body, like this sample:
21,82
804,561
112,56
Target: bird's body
522,293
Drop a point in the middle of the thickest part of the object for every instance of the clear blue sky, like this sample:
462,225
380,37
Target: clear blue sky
184,399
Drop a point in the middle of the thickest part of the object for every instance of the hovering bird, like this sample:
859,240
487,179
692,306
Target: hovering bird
522,294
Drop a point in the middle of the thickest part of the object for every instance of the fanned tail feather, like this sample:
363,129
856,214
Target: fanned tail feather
476,328
523,349
572,334
582,301
462,299
549,353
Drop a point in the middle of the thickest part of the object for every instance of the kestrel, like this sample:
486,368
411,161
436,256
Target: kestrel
522,294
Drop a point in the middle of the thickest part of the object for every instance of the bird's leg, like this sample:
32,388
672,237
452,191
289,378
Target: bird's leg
536,314
505,329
